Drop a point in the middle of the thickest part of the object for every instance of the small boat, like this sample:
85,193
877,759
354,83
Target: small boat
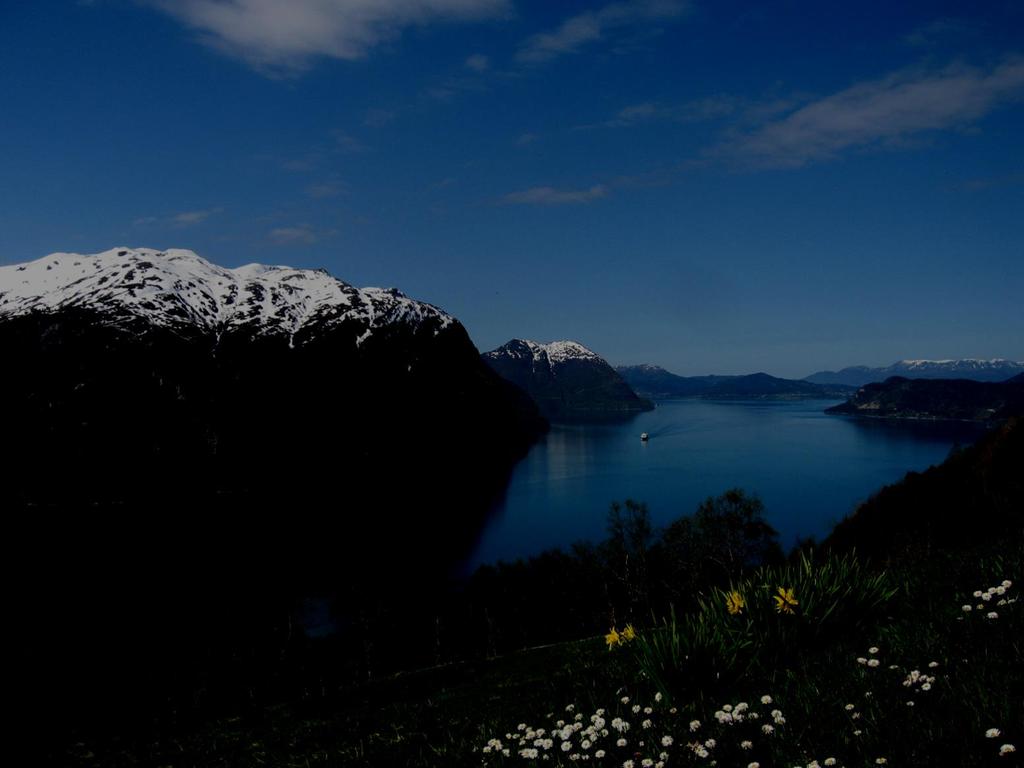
644,437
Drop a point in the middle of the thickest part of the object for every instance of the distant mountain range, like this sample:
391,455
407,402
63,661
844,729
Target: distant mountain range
654,381
937,399
977,370
567,381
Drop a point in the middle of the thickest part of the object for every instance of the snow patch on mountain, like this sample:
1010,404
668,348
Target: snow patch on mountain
554,352
178,288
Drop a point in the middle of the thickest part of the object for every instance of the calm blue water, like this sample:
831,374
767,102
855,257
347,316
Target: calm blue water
809,469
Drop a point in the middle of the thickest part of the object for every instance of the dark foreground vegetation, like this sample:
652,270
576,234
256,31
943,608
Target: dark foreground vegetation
899,638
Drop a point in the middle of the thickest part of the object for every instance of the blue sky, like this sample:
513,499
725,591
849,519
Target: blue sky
717,187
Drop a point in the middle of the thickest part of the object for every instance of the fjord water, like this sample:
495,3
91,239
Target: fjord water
810,469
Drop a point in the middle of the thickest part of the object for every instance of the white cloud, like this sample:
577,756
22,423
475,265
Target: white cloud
183,219
188,218
889,111
282,37
526,138
554,196
591,26
300,235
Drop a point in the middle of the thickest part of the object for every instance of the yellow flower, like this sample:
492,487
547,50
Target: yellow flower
785,600
628,633
735,603
613,638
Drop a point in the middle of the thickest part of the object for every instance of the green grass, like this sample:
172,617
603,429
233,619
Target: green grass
698,662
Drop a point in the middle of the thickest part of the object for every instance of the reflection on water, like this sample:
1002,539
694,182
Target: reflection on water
810,469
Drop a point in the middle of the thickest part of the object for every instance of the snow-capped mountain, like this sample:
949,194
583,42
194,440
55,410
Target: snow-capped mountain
996,369
179,289
158,383
566,380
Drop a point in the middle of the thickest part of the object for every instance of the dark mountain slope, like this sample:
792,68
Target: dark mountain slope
955,399
976,495
566,380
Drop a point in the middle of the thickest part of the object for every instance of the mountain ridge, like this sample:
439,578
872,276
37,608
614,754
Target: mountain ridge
994,369
179,289
937,399
568,381
654,381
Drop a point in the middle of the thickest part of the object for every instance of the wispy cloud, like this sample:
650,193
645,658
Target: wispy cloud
179,220
710,108
555,196
524,139
283,37
188,218
589,27
302,234
943,31
375,117
478,62
892,111
349,144
325,189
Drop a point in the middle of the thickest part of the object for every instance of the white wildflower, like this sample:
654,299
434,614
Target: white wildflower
657,696
566,746
991,615
753,765
932,664
666,741
830,761
645,724
849,707
873,662
966,608
767,728
993,733
1006,749
620,743
1007,583
873,650
746,744
599,754
861,660
624,699
766,699
694,725
710,743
